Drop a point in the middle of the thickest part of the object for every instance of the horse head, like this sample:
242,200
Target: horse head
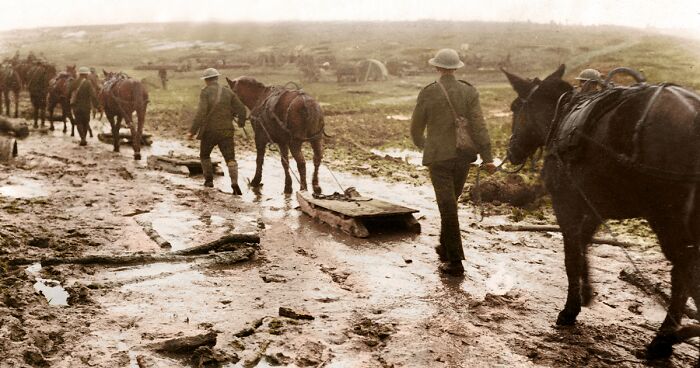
248,89
72,70
533,111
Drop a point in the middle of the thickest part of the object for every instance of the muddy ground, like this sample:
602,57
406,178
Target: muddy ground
377,302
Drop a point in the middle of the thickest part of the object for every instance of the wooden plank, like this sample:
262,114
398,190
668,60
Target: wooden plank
360,207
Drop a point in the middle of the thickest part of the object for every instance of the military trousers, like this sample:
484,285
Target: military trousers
82,122
448,178
225,144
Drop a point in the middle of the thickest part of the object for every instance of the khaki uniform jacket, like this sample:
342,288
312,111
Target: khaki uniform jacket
433,112
216,119
85,97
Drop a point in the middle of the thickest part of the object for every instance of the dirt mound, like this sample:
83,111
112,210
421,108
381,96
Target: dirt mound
516,189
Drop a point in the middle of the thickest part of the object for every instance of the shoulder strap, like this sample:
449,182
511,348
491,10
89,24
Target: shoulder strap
79,85
218,95
444,92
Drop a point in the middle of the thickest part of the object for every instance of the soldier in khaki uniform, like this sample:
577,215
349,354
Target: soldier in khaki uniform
448,167
82,99
213,125
589,80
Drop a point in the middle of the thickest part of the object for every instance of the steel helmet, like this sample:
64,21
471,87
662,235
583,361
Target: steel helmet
84,70
589,74
210,73
447,59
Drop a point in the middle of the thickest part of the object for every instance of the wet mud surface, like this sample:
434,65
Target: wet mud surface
376,302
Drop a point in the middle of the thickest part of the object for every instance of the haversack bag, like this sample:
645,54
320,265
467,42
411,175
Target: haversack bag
464,139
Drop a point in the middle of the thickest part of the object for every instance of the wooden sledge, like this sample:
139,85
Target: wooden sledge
125,137
355,214
181,164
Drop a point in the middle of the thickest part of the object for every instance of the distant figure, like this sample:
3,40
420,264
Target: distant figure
589,80
436,109
83,98
163,75
213,125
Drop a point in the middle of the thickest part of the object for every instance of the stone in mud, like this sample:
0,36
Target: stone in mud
374,332
79,294
310,354
39,242
205,356
32,356
185,345
278,359
290,313
245,332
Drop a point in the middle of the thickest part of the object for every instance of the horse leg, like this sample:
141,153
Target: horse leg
115,130
284,157
141,121
260,146
317,147
16,105
69,113
6,99
52,106
35,113
135,136
295,148
577,229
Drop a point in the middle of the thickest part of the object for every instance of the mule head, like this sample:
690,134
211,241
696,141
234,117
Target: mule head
72,70
533,111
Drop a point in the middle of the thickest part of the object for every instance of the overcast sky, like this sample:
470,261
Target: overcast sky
677,14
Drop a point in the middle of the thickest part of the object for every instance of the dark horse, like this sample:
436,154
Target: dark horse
639,157
286,117
120,97
58,95
10,82
38,77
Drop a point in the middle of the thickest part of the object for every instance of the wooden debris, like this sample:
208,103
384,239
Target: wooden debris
8,149
180,164
153,234
291,313
221,243
125,137
184,345
352,216
239,255
554,228
17,127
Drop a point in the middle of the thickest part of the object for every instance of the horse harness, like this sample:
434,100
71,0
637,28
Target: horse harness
264,113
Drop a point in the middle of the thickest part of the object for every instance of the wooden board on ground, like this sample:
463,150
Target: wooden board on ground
125,137
353,216
180,164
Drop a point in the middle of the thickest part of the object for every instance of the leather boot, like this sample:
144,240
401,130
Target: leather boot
208,172
233,173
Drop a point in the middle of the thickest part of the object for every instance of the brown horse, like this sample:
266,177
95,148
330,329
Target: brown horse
97,85
10,82
58,95
38,77
636,154
120,97
286,117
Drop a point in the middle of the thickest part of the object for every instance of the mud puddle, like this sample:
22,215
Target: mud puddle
409,156
52,290
20,187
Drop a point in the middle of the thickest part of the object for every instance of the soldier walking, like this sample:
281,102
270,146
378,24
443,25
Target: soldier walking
213,125
82,99
163,75
448,166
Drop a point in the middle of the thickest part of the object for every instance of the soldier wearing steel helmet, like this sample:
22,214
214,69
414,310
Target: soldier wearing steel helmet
589,80
448,166
83,98
213,125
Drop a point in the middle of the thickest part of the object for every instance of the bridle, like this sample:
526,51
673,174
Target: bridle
523,115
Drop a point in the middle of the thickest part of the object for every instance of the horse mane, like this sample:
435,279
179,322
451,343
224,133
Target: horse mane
250,81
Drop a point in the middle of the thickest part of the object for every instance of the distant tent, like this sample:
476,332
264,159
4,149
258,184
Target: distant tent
371,70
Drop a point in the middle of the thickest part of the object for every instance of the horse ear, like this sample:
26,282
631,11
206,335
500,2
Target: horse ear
558,74
520,85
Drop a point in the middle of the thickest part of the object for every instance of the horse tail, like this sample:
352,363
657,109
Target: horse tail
313,116
139,97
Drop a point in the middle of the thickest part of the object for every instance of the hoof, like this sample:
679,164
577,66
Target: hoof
209,183
116,149
255,184
137,156
317,189
83,143
51,129
566,318
659,348
236,190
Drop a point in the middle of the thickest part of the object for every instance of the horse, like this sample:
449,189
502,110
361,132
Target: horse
287,118
10,82
637,157
38,77
58,95
95,81
120,97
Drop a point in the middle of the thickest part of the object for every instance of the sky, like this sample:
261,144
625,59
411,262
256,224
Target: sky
670,14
